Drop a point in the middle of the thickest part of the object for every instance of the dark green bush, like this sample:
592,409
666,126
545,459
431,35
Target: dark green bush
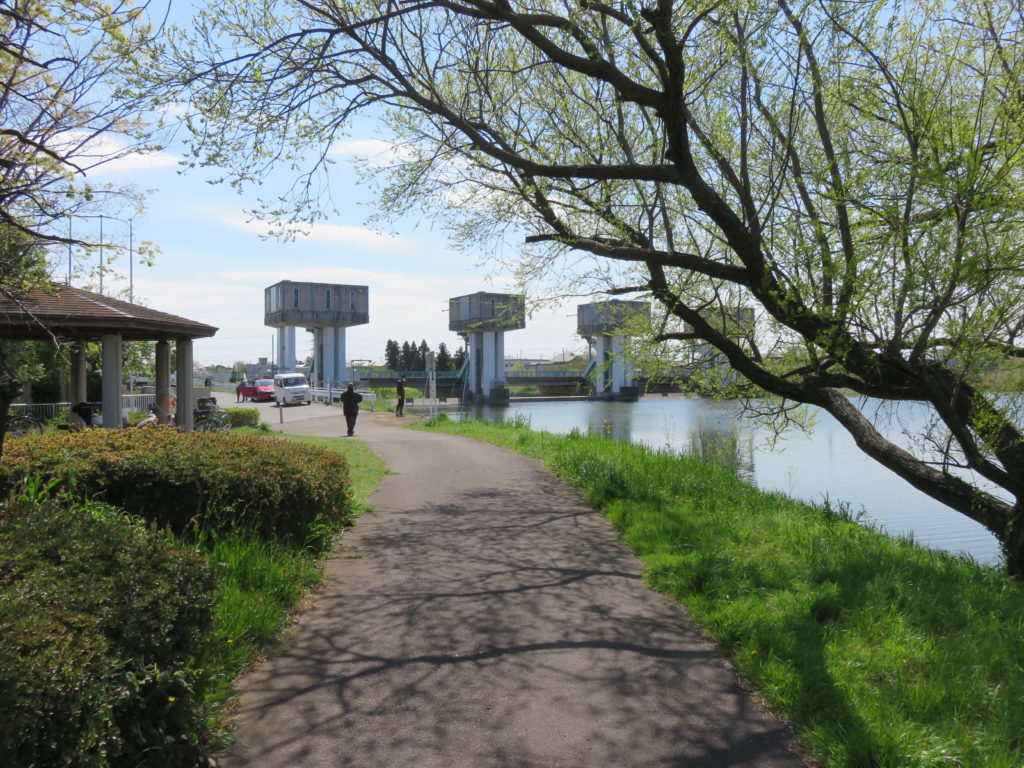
214,481
100,615
53,685
244,417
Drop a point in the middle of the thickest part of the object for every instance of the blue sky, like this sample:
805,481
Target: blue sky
214,265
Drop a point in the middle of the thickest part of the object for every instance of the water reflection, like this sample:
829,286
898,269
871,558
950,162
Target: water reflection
821,464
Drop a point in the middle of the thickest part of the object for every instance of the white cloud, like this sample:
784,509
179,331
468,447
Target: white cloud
87,151
361,147
340,234
377,150
138,162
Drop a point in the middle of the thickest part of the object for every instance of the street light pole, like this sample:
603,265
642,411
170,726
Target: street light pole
131,261
101,254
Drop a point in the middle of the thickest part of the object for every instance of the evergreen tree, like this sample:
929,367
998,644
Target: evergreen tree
408,358
392,355
422,355
443,361
459,358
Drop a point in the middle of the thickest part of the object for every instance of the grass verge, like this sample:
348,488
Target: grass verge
879,652
259,583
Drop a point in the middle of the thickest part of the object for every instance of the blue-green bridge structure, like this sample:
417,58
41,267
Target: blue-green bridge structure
550,383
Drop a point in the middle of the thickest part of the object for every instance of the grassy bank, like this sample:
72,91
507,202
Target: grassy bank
879,652
260,583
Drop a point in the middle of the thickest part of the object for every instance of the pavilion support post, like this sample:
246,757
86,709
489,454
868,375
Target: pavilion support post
186,396
78,392
163,381
111,386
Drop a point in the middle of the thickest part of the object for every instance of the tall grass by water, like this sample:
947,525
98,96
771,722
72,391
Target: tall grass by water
880,653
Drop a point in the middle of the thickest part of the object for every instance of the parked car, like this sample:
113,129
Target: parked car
261,390
291,388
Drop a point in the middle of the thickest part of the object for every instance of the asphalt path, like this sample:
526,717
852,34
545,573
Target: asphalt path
483,616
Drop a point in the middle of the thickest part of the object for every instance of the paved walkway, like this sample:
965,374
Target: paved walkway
482,616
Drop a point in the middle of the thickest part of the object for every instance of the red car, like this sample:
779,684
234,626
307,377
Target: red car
261,390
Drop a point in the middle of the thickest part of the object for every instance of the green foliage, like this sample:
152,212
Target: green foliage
880,652
824,197
258,580
525,391
392,354
244,417
99,615
66,64
210,481
365,467
412,357
40,367
117,644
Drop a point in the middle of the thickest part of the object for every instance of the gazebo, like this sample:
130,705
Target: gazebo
78,316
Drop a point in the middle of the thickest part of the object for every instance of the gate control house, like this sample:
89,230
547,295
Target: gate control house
326,309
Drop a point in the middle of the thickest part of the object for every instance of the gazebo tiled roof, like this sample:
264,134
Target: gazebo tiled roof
73,313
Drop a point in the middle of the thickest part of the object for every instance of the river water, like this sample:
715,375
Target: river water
823,463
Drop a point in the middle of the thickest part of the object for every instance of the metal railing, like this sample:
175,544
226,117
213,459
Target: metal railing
534,373
377,374
333,395
42,411
539,373
47,412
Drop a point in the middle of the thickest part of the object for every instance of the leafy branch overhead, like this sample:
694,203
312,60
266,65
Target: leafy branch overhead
850,171
65,110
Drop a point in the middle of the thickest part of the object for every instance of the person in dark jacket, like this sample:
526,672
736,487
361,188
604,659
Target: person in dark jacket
350,400
400,389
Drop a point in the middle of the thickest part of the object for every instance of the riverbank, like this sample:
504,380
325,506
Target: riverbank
879,652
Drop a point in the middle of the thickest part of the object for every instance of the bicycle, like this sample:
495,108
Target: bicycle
21,424
209,417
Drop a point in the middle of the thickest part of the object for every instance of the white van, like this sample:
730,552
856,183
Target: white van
291,388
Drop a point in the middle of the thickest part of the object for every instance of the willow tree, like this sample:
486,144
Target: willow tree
851,170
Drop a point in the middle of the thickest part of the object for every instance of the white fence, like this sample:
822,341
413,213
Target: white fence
46,412
324,395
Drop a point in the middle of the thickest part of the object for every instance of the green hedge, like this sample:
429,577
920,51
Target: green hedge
100,615
244,417
195,481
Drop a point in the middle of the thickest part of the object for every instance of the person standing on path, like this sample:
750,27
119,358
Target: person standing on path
400,389
350,400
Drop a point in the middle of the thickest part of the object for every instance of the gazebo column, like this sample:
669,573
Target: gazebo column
111,386
186,397
78,373
163,381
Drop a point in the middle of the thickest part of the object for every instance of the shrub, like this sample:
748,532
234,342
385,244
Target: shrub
99,617
53,689
214,481
244,417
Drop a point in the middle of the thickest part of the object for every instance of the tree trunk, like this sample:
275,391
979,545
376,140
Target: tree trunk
10,388
1013,543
